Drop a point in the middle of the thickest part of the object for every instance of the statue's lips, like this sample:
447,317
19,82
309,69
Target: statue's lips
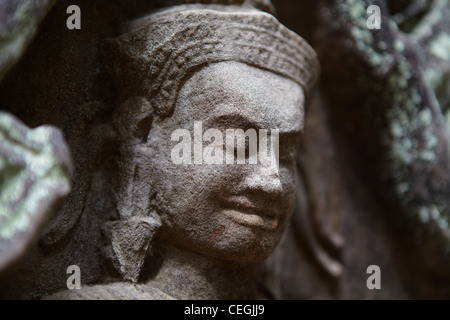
248,214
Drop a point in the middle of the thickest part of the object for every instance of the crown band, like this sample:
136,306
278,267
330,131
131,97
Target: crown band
167,47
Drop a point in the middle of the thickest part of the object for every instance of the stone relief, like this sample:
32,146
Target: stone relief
361,179
190,64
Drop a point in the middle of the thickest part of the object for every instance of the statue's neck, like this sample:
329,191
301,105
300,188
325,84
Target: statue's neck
189,275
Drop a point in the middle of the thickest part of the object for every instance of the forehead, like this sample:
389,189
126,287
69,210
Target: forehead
231,90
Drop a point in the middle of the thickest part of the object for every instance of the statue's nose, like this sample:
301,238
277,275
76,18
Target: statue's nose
265,177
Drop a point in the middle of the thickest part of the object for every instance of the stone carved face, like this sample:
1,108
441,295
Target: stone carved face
228,211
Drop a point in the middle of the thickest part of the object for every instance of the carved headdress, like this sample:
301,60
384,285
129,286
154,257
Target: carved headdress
161,50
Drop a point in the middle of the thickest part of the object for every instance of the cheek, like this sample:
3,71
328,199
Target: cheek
187,193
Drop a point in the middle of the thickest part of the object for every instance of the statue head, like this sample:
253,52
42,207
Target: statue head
187,80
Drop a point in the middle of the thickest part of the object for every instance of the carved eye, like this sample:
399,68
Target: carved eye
238,148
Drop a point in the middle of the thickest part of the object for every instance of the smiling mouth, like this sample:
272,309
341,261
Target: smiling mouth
247,214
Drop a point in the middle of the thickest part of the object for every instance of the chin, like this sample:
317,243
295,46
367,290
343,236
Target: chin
249,250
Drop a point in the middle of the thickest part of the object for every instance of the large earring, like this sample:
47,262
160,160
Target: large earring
129,242
129,238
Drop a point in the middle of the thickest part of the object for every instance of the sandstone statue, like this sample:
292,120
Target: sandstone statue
208,225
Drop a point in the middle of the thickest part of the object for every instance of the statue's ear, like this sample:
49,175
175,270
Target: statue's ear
130,236
132,120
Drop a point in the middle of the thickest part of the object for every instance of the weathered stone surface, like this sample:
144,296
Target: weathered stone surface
344,220
404,74
35,173
113,291
367,74
217,221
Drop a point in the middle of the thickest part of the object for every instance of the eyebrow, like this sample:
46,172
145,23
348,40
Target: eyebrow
239,121
232,121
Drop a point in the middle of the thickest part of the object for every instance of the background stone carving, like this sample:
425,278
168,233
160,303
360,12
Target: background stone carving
384,94
35,172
